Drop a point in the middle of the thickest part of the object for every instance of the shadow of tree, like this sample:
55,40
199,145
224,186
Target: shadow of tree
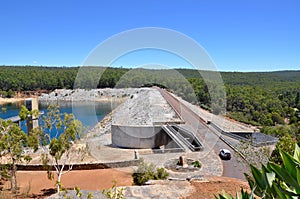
45,192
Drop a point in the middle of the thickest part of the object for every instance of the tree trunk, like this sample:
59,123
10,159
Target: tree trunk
58,182
14,185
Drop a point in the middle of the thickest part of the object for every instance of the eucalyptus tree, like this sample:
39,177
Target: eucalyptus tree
60,132
13,141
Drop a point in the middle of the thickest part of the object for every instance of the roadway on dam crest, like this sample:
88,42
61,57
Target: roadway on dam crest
235,167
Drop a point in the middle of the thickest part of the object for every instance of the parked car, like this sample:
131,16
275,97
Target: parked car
225,154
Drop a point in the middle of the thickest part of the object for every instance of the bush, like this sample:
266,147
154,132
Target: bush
143,173
147,172
114,192
197,164
161,174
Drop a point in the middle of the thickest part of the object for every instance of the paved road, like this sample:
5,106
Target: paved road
210,137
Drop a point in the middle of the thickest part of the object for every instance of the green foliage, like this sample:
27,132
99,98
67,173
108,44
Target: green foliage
146,172
262,182
276,181
242,195
78,192
3,109
12,142
286,143
143,173
35,78
288,174
24,112
254,98
282,130
10,93
197,164
60,146
90,195
114,192
161,174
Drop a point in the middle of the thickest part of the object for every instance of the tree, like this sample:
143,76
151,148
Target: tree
10,93
297,100
60,132
12,142
277,119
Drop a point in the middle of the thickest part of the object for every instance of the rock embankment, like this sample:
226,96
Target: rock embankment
146,107
106,94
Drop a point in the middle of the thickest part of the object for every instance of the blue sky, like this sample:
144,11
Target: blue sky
238,35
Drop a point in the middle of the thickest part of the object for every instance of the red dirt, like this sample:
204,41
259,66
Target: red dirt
216,185
39,186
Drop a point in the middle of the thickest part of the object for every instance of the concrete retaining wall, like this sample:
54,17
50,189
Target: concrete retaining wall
139,137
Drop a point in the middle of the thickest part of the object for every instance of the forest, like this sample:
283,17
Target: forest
257,98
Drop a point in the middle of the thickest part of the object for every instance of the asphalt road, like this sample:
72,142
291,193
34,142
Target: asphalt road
236,166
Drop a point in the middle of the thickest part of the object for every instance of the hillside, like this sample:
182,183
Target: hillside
258,98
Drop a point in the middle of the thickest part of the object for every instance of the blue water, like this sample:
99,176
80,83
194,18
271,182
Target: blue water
89,113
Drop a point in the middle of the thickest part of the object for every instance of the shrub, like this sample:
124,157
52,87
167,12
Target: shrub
196,164
147,172
114,192
161,174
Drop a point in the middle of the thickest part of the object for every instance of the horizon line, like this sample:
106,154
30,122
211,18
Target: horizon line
176,68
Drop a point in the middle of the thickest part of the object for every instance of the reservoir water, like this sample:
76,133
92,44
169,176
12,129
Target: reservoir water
89,113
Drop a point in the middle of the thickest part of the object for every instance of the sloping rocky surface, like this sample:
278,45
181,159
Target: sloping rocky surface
146,107
105,94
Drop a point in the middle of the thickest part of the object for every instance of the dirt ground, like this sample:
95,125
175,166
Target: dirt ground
216,185
35,184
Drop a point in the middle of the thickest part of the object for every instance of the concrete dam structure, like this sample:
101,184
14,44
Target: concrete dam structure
147,121
139,137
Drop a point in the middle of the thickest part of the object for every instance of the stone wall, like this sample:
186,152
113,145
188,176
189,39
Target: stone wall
87,166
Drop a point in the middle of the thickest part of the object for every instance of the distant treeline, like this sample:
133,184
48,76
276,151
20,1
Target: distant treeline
260,98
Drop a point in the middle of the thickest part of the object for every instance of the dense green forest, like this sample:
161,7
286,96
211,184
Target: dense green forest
258,98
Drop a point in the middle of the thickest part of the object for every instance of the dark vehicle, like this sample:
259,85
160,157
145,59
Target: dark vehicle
225,154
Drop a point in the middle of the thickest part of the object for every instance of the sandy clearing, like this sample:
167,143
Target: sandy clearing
39,186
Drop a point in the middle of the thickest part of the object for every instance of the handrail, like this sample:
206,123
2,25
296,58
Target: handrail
171,134
192,134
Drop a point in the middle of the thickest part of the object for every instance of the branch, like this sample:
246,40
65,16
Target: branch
70,168
56,168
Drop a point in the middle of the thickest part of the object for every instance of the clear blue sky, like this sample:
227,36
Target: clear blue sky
254,35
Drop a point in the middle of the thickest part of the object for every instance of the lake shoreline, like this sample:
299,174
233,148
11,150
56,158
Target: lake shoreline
11,100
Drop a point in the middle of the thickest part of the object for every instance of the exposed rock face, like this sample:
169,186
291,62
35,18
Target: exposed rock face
106,94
